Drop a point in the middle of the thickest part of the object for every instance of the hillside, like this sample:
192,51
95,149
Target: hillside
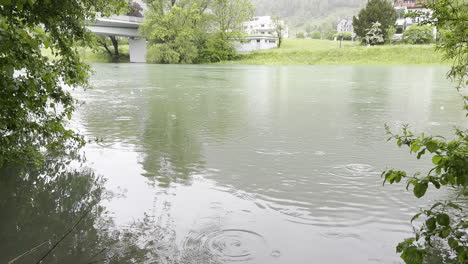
309,15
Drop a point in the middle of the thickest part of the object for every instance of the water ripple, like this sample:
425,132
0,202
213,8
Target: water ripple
229,245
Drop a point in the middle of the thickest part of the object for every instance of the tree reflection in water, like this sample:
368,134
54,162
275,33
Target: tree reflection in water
39,205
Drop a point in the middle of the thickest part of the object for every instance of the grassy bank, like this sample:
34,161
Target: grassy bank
90,55
309,52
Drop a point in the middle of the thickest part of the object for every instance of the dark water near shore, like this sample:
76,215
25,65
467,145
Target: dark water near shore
244,164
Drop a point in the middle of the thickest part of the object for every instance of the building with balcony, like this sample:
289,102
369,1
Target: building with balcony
345,25
262,34
264,26
403,8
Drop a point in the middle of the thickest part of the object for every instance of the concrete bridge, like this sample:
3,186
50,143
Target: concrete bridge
123,26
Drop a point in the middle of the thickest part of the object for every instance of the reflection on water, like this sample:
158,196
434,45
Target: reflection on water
53,214
250,164
265,164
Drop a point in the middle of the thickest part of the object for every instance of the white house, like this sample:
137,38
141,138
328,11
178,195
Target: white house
345,25
252,43
264,26
403,7
262,34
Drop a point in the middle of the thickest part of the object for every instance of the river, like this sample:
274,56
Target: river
258,164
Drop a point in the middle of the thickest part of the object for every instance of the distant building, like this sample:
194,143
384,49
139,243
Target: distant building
252,43
345,25
264,26
403,7
411,4
261,31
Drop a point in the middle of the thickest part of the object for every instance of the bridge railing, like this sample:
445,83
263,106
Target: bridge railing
122,18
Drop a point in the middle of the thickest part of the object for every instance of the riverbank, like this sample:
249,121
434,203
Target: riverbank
315,52
326,52
90,55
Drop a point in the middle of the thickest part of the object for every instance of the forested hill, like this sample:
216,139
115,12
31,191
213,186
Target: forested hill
300,13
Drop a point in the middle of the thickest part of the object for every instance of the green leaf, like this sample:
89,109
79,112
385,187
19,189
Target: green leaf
415,147
5,2
431,224
453,243
422,152
455,206
436,183
445,232
436,159
451,179
405,244
436,205
443,219
420,189
432,146
413,255
416,216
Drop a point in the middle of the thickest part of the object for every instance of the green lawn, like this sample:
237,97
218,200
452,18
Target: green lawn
308,51
90,55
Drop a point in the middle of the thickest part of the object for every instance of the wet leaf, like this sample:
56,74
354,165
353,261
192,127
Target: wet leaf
432,146
436,159
445,232
431,224
443,219
420,189
413,255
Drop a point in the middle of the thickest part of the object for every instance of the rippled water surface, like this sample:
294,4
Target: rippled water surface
258,164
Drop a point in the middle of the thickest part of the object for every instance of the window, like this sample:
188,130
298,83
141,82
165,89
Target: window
263,25
258,41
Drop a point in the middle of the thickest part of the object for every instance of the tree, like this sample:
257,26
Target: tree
316,35
381,11
134,9
332,35
419,34
300,35
229,15
375,35
390,32
194,31
105,42
280,29
445,221
174,32
34,101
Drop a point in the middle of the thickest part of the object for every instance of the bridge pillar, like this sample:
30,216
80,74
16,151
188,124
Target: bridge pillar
137,49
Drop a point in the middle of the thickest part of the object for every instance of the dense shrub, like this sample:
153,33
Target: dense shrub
390,32
300,35
381,11
347,35
316,35
332,34
375,35
216,49
162,53
418,34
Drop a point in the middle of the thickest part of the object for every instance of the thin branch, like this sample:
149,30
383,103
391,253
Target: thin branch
27,252
65,235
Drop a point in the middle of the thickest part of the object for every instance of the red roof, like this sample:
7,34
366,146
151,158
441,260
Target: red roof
410,3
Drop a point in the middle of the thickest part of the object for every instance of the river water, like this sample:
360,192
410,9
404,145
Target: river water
255,164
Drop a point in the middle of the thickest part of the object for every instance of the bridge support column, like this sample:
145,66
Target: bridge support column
137,49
